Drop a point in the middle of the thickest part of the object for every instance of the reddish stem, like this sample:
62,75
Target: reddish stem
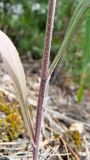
44,77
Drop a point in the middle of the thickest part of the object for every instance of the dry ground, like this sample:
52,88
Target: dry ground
61,113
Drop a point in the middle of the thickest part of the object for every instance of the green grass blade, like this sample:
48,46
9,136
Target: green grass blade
86,57
81,9
86,53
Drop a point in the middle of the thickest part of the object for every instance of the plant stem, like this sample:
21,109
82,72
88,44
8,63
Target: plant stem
45,71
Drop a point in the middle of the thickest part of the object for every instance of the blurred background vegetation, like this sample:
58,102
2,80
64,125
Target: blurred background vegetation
24,21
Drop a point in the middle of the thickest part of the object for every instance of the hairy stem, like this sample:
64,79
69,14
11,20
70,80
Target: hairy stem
45,71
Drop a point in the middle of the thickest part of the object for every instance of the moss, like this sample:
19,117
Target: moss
77,138
73,138
5,109
56,135
75,141
11,124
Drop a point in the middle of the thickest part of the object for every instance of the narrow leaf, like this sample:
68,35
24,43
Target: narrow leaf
76,18
86,50
86,57
14,67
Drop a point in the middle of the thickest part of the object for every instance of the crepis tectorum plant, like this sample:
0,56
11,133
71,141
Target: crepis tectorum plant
14,67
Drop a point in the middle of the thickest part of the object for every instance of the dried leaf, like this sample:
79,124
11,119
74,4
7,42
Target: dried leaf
14,67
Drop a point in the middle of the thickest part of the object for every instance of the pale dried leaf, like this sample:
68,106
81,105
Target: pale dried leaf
14,67
12,61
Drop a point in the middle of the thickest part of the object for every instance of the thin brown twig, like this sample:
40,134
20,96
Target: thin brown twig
65,145
68,147
72,151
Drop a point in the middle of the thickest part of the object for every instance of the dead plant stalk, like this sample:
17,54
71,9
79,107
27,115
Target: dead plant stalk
45,74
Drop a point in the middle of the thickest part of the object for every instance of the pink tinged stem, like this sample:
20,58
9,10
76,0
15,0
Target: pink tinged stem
45,72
